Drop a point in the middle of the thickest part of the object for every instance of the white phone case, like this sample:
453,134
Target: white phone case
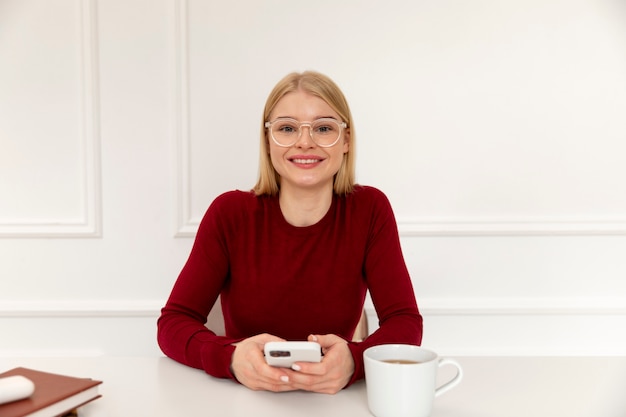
284,354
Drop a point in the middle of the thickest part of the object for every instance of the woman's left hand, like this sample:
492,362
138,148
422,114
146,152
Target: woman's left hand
329,376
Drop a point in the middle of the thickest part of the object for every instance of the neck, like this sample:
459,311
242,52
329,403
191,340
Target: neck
301,207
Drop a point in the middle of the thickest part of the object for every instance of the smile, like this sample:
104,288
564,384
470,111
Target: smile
305,161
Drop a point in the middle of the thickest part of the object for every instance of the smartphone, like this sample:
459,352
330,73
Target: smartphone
284,354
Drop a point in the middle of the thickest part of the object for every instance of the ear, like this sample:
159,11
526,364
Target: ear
346,140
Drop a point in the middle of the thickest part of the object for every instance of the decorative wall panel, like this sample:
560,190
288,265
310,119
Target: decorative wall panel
468,132
49,135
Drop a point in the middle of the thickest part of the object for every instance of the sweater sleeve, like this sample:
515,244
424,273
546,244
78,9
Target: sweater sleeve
181,331
390,287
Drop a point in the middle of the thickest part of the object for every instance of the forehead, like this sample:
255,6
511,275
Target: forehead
301,105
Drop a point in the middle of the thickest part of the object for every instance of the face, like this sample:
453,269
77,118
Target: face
304,165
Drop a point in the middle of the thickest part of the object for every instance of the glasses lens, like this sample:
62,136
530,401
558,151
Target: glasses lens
285,131
325,132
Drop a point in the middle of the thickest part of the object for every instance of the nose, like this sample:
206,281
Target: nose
304,139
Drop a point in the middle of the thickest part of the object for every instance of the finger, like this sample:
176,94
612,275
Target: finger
260,376
316,383
329,382
326,341
262,339
251,369
318,377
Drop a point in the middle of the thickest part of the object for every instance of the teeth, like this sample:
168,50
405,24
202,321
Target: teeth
305,161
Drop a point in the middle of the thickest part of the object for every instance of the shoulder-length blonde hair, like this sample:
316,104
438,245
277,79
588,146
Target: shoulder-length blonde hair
323,87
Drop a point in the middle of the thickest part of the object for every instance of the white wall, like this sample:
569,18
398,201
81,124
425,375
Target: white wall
495,128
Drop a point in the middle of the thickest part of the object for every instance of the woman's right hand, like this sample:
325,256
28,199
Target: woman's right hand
249,366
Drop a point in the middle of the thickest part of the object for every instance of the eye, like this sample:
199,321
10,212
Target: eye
285,127
325,127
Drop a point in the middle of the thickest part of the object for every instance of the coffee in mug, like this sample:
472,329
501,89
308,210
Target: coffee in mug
401,361
401,380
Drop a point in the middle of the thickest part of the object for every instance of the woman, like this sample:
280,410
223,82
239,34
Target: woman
293,258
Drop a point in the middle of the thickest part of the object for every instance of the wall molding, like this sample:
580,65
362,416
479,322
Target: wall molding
502,326
523,306
185,226
512,226
511,326
449,306
80,308
90,223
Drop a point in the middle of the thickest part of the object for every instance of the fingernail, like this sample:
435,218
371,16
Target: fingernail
295,367
284,378
314,338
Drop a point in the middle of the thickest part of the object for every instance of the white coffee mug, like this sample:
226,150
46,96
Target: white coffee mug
401,380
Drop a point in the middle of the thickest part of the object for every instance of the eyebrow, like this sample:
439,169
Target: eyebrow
317,118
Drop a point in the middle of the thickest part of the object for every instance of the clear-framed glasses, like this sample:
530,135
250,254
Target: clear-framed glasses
324,132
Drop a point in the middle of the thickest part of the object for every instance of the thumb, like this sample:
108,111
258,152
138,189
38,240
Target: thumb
325,340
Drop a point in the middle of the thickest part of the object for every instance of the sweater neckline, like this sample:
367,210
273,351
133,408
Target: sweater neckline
320,225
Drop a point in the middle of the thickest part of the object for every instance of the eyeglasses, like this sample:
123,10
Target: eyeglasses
324,132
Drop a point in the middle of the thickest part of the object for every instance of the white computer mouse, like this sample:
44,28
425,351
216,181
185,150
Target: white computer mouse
16,387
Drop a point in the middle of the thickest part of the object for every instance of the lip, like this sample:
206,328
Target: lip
306,161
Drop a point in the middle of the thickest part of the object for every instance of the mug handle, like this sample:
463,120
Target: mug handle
454,381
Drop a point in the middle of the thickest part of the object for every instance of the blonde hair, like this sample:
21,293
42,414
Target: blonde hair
323,87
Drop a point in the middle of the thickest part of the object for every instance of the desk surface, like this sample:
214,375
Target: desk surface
492,387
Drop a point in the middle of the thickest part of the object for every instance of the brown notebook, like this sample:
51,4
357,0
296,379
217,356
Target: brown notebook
54,394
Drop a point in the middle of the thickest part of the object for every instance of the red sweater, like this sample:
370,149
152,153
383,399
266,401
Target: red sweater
289,281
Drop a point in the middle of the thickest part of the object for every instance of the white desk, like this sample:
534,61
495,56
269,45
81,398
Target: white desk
492,387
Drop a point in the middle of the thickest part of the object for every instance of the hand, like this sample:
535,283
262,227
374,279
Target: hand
250,369
329,376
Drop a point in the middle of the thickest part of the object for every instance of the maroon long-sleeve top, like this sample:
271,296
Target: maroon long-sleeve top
289,281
